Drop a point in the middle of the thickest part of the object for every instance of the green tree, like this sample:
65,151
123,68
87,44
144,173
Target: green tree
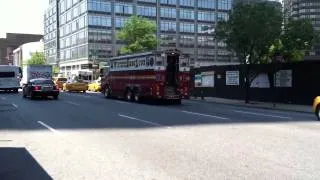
297,39
55,69
250,32
37,58
138,34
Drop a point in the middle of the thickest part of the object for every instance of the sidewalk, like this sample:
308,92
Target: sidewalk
257,104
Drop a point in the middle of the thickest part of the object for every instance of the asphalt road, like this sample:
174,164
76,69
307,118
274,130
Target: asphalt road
84,136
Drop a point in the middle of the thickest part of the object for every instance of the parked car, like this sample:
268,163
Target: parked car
59,81
40,88
75,85
316,107
95,86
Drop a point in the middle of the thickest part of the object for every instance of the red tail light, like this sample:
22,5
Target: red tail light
37,88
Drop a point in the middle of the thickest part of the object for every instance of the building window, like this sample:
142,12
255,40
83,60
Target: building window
186,14
168,12
122,8
171,2
205,29
149,1
99,6
83,7
75,2
224,4
75,12
120,21
74,53
62,6
74,26
146,11
189,3
168,26
168,40
96,20
187,27
69,16
206,16
187,41
222,16
74,39
206,4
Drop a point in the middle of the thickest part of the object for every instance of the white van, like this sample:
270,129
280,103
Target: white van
10,77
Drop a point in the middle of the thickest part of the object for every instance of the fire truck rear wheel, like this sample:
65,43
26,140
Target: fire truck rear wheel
128,95
137,97
107,93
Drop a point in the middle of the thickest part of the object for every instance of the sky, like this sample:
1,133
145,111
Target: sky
22,16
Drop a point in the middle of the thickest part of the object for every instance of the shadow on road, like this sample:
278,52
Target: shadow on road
18,164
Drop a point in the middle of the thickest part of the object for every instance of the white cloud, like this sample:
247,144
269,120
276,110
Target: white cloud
22,16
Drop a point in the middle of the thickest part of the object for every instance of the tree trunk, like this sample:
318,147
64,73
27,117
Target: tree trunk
247,83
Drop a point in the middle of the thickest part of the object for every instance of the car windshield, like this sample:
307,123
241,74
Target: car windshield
39,82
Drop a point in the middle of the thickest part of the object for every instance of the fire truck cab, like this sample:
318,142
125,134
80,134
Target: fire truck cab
156,75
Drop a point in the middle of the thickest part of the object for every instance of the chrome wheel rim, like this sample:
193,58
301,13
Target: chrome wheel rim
128,96
136,98
106,92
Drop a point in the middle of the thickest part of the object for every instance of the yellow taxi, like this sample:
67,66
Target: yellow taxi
95,86
59,81
75,85
316,107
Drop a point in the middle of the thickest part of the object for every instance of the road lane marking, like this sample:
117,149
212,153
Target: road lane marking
260,114
205,115
14,105
48,127
122,102
136,119
72,103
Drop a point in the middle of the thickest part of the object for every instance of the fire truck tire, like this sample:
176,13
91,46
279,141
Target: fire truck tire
107,93
137,97
128,95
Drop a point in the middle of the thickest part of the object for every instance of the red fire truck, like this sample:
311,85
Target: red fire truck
155,75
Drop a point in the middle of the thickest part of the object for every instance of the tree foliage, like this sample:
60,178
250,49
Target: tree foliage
138,34
37,58
55,69
251,30
297,39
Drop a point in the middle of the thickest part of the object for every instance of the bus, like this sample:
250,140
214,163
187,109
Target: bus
10,77
155,75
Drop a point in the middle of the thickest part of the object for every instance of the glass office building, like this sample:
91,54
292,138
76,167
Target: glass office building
86,29
51,37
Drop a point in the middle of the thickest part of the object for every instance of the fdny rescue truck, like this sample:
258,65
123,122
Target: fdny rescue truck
154,75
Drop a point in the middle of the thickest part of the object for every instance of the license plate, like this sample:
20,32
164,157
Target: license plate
46,88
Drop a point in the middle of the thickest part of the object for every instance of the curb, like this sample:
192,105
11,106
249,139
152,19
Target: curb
255,106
